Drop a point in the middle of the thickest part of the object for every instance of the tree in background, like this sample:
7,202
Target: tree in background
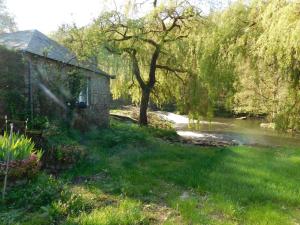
7,23
265,65
145,45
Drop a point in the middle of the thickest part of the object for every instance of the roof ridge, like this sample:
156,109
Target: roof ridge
31,37
37,43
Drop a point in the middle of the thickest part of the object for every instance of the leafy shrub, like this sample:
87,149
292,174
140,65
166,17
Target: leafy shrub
63,156
19,169
69,204
24,159
46,195
166,134
36,193
58,133
39,123
120,134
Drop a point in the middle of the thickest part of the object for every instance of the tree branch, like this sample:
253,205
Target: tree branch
174,70
153,67
136,69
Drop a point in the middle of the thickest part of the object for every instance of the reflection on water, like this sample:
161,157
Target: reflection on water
246,132
243,131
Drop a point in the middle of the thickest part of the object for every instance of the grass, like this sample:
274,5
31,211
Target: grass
132,176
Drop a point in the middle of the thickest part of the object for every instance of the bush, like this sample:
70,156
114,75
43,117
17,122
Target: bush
127,133
121,134
24,159
61,157
46,196
19,169
166,134
69,204
39,123
36,193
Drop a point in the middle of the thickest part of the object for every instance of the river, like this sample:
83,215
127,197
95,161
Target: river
246,132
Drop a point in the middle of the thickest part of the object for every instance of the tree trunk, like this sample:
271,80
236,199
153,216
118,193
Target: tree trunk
143,120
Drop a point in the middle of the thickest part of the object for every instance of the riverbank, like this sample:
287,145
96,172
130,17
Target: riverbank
219,131
132,175
180,123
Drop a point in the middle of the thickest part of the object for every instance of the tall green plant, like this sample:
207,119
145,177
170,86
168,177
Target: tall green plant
19,147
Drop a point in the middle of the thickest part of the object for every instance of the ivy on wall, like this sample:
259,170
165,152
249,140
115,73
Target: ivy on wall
12,86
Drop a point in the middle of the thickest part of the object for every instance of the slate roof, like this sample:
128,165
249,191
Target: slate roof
35,42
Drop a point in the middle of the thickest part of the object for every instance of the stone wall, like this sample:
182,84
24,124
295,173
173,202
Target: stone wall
12,88
50,91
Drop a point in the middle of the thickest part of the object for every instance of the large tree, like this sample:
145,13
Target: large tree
265,66
151,45
7,23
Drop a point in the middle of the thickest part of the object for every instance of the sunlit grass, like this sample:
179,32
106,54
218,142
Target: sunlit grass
131,177
125,212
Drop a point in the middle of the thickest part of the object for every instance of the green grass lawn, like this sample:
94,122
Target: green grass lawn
132,176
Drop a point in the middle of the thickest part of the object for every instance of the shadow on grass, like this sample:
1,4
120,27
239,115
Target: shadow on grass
153,171
130,169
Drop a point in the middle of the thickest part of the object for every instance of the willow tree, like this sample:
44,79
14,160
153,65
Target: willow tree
7,22
146,43
266,65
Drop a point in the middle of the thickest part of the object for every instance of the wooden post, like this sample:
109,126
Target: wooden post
7,161
30,90
6,123
26,127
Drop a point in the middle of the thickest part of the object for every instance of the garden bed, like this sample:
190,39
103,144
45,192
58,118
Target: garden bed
20,170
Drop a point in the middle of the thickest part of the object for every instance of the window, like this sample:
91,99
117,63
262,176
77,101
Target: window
84,95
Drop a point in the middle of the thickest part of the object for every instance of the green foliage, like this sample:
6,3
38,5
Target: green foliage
68,205
62,149
59,133
19,149
288,117
243,63
24,159
140,50
127,212
7,22
39,123
63,156
75,81
233,59
119,134
36,193
45,194
267,63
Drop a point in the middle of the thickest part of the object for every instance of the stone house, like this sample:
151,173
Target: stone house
51,75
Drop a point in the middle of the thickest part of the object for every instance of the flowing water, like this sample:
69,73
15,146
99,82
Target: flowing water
246,132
